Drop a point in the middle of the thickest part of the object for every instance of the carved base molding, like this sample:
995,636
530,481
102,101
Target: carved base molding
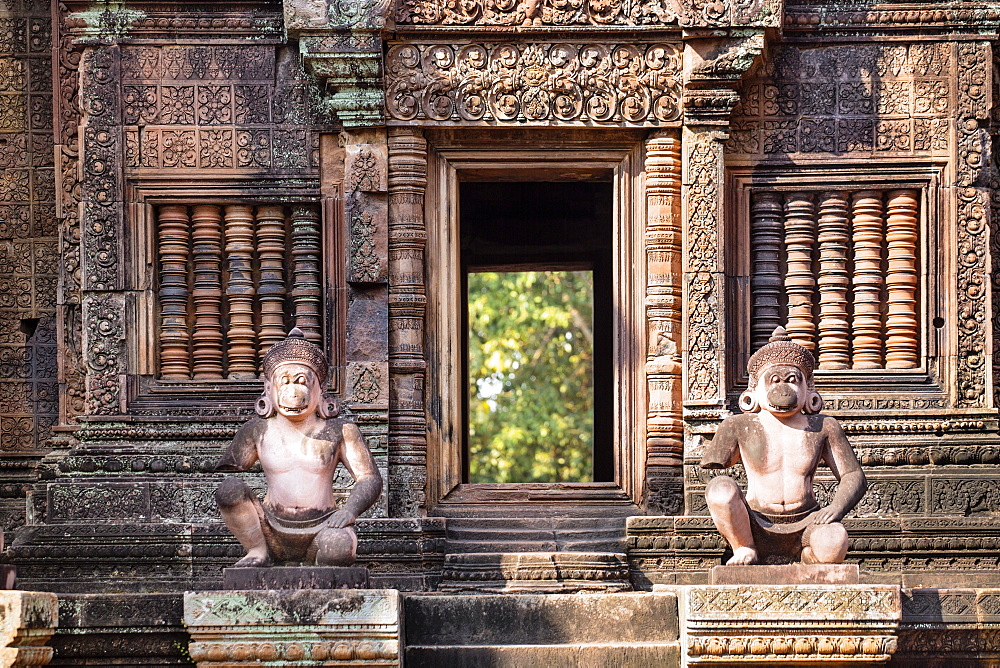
173,556
27,621
795,624
912,551
317,627
535,572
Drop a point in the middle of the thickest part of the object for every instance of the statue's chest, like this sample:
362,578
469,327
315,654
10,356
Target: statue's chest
294,452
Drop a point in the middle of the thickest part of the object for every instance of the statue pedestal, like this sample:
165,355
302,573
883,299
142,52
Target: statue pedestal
790,574
791,624
314,627
27,622
296,577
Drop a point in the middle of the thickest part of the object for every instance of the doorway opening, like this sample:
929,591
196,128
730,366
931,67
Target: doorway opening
536,270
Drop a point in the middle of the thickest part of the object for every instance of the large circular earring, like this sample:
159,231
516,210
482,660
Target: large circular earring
263,406
328,407
748,403
814,404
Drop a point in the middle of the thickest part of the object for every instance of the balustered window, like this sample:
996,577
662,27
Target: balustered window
840,270
233,280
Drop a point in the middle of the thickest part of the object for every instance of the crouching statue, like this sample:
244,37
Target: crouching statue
781,439
299,442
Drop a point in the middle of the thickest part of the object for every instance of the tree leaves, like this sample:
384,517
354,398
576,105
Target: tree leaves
531,394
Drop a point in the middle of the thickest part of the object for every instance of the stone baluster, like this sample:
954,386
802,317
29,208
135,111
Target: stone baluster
663,237
800,282
866,206
306,288
834,233
175,249
240,291
407,305
901,280
207,294
766,233
271,288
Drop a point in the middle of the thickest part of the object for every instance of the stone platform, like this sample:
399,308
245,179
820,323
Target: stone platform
315,627
789,624
789,574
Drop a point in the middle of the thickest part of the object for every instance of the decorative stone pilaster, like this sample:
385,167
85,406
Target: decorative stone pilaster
663,239
407,307
793,624
315,627
713,67
27,621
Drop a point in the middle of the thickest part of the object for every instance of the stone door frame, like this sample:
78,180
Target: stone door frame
482,155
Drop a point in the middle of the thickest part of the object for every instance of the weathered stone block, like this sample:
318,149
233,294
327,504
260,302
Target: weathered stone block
316,627
748,624
295,577
27,620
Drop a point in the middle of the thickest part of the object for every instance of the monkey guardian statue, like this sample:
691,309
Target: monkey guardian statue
299,443
781,439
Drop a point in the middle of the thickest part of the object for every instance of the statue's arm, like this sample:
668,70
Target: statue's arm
840,457
358,460
724,450
242,452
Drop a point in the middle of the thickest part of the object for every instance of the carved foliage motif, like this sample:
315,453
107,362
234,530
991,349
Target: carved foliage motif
618,84
214,107
848,99
702,284
29,257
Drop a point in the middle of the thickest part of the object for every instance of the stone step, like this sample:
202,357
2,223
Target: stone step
584,534
631,629
535,572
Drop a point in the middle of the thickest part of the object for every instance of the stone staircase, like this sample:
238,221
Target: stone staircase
535,554
592,630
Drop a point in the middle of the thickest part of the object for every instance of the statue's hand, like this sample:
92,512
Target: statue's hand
827,515
340,519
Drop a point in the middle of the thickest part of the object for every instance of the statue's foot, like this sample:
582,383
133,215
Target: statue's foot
253,560
743,556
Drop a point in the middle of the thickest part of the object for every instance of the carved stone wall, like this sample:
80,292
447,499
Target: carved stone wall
29,391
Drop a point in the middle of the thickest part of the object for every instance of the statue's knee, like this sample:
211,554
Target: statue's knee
336,547
722,491
829,543
231,492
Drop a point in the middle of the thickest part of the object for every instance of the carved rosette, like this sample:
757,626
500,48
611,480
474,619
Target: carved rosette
616,84
407,307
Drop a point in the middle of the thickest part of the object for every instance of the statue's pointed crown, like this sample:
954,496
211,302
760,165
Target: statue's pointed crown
780,349
295,348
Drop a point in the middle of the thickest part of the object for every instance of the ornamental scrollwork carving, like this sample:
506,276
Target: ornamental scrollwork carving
973,222
620,84
616,13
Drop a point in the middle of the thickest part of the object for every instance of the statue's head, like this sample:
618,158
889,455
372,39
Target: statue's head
294,374
781,379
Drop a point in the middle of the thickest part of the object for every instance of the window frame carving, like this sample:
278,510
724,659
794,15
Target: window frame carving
930,380
145,391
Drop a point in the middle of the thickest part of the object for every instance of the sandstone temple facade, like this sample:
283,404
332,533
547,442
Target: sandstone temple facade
182,182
